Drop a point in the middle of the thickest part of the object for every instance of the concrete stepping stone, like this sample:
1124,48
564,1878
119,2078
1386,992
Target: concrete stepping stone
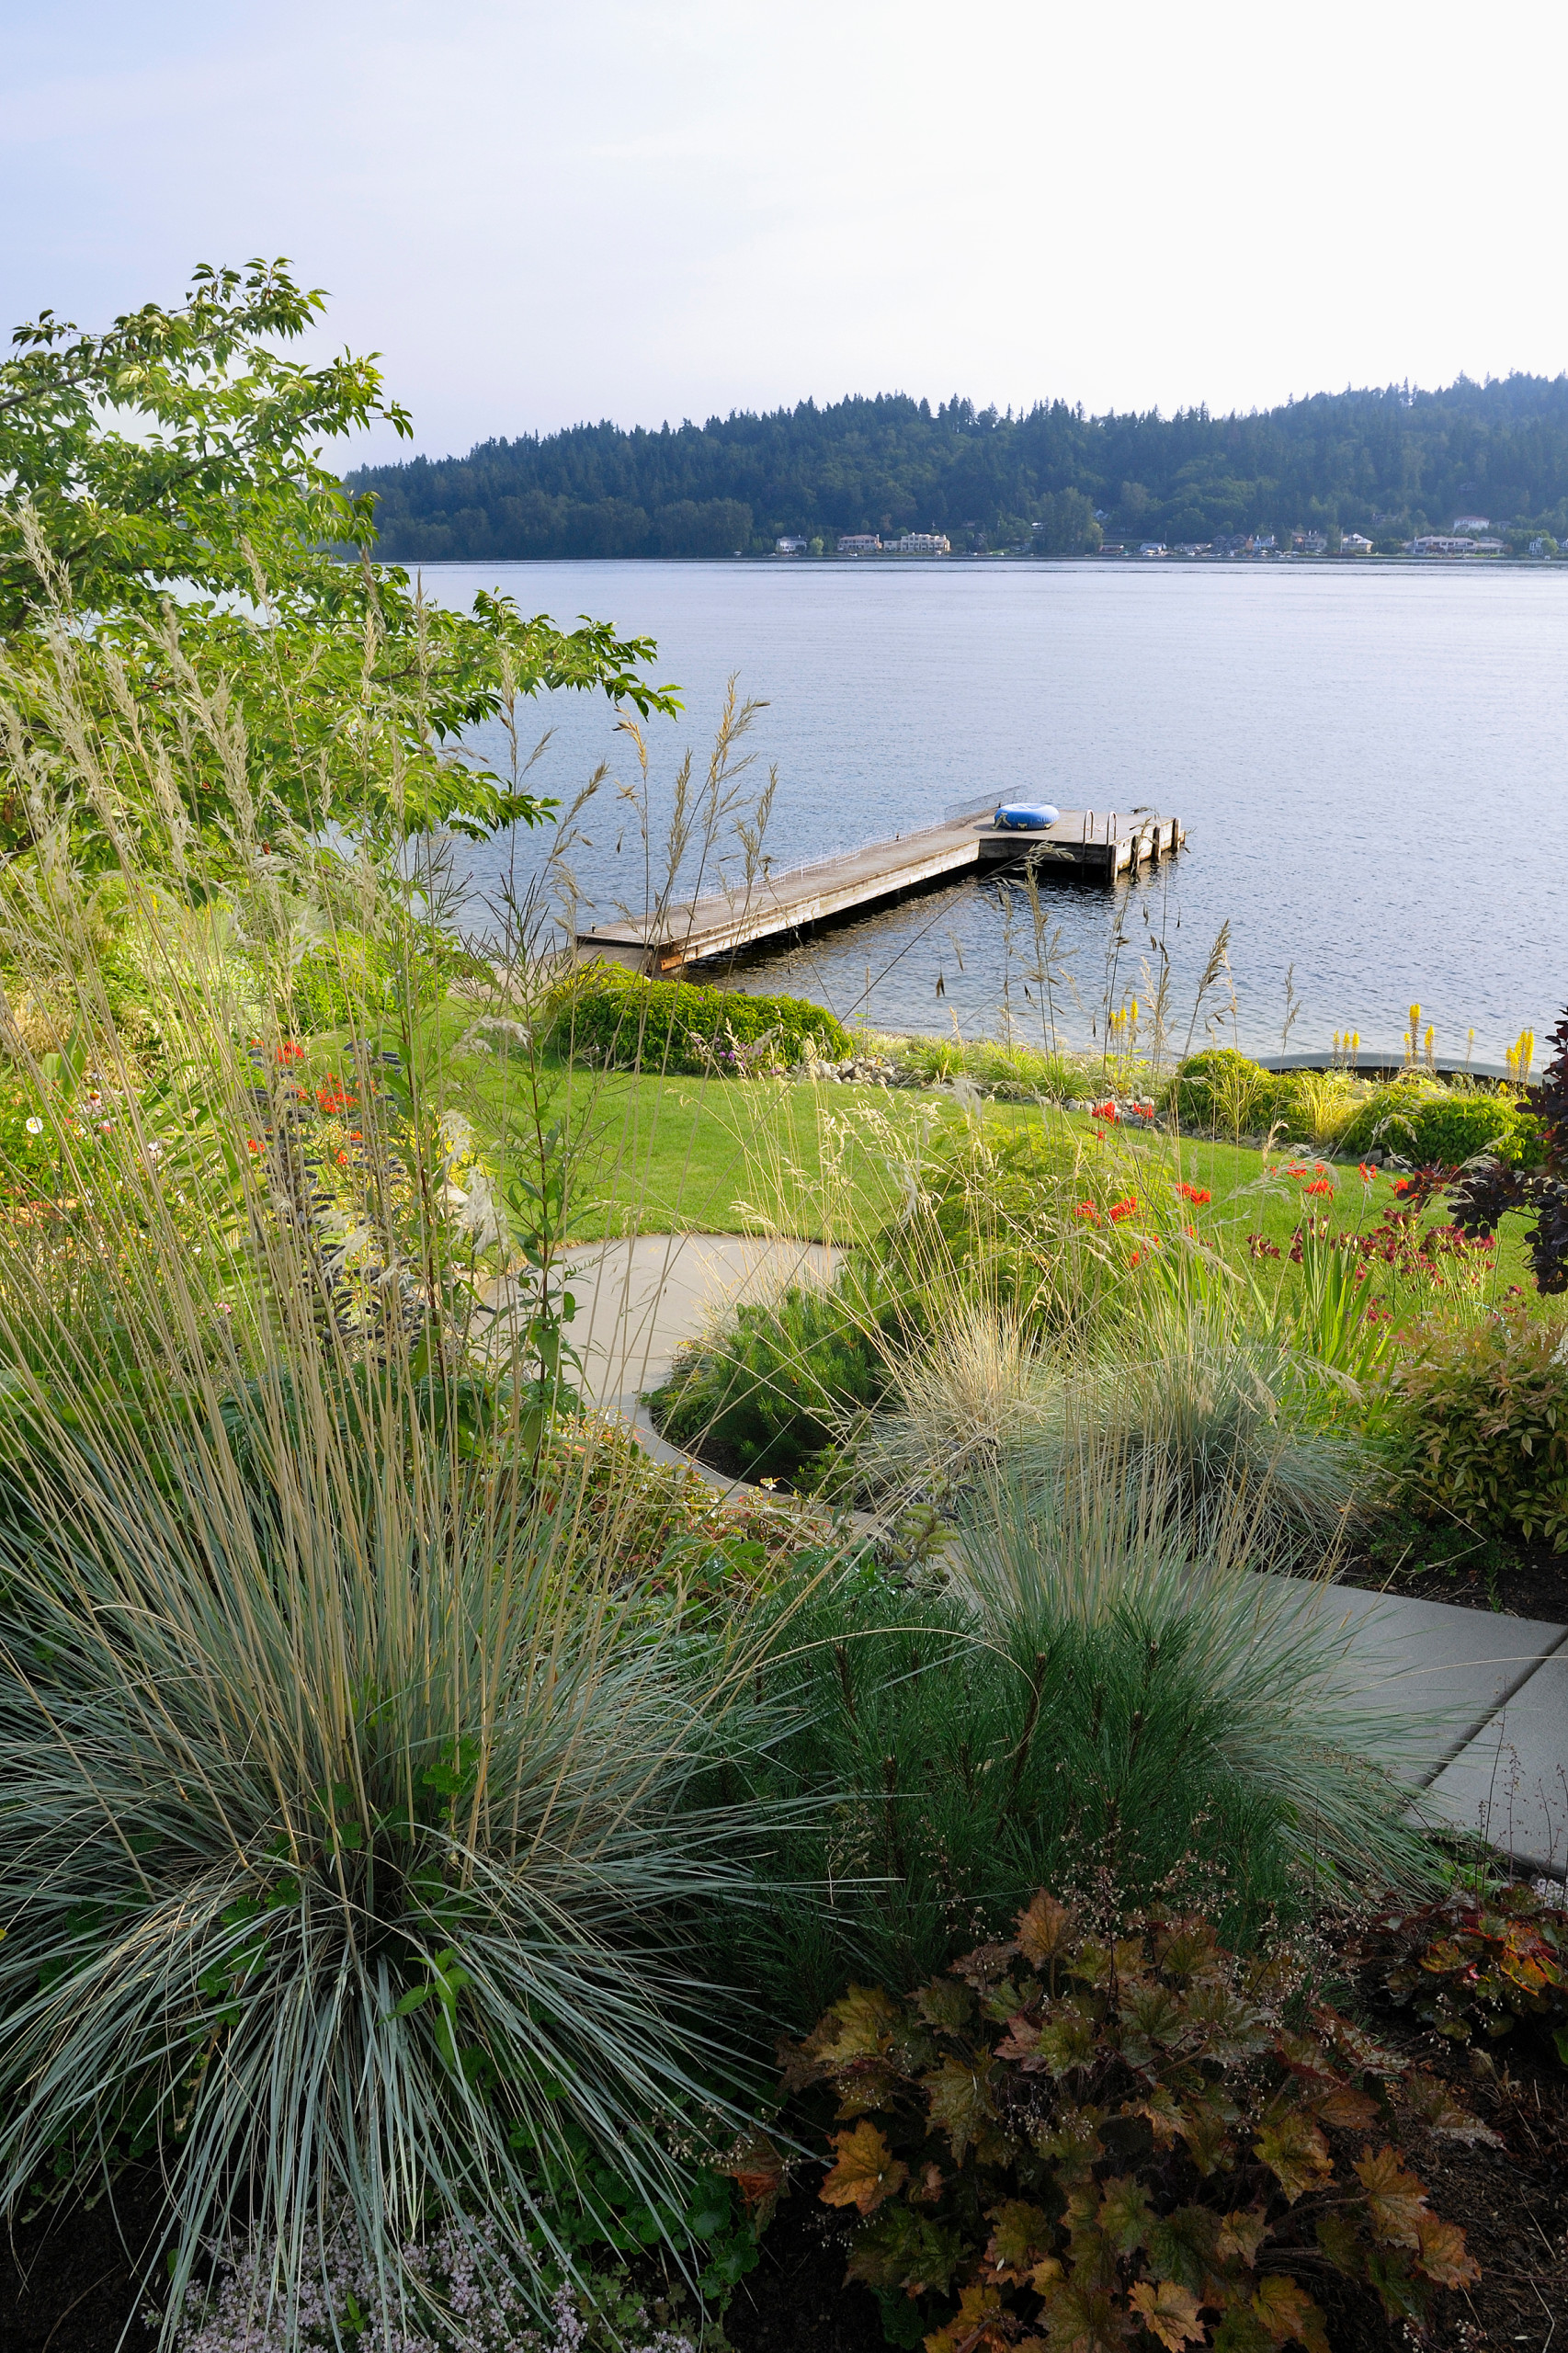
1449,1670
1509,1784
639,1300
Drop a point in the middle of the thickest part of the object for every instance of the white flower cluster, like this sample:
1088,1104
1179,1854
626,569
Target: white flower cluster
465,2286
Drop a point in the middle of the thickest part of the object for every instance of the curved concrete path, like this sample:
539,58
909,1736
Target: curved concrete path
1488,1695
638,1300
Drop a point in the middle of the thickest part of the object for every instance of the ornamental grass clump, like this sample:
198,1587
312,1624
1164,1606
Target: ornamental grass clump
351,1860
1214,1390
349,1853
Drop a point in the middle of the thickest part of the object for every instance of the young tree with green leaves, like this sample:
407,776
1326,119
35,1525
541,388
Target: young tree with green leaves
170,529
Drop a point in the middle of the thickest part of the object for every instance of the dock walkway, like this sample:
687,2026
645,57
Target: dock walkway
1097,844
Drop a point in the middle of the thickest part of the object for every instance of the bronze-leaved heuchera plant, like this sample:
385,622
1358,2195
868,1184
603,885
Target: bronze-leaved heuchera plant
1079,2143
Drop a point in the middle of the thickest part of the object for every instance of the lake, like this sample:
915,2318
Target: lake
1369,764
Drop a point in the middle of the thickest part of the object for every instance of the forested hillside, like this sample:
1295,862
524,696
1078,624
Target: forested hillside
1384,463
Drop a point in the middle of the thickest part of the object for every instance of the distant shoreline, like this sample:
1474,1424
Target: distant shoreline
891,561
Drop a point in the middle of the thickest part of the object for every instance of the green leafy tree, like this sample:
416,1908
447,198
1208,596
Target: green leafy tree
172,536
1067,525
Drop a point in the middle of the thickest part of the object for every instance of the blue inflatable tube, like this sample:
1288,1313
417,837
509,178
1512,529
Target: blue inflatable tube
1026,816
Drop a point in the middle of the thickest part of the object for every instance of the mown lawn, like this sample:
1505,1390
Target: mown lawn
656,1154
699,1155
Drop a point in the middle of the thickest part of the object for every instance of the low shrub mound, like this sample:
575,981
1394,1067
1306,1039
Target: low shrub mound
630,1023
1482,1409
1438,1126
987,1176
1477,1967
1222,1090
998,1214
1081,2141
1415,1117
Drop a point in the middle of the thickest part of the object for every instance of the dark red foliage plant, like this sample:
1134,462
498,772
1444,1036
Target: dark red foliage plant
1071,2144
1482,1964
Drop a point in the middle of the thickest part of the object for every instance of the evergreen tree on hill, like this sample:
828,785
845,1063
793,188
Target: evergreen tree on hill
1380,462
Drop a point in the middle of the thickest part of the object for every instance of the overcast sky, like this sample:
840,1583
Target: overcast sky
540,214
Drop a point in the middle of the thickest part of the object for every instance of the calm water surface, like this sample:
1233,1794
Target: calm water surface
1371,766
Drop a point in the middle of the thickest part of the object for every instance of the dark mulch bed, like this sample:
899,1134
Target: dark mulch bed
70,2279
1438,1564
796,2301
1513,2201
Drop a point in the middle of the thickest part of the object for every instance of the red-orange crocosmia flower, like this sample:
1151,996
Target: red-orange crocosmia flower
1323,1185
1088,1209
1124,1208
1197,1194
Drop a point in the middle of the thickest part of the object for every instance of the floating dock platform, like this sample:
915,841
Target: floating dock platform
1095,845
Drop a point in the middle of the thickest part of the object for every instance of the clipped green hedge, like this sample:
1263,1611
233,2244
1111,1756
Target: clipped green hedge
630,1023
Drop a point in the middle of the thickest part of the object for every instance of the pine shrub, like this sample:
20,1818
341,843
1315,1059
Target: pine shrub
770,1390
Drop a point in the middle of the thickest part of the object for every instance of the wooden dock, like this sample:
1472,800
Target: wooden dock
1095,845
